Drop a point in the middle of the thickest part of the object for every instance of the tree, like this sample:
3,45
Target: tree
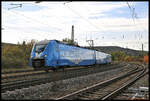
69,41
118,56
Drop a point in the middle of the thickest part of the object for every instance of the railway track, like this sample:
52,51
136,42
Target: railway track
107,89
41,74
131,91
15,74
52,77
32,70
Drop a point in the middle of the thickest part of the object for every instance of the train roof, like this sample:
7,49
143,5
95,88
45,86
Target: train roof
47,41
43,42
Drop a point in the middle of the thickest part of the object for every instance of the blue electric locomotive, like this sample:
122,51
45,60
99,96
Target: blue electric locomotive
50,54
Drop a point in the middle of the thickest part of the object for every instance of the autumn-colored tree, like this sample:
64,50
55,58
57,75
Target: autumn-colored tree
16,55
145,59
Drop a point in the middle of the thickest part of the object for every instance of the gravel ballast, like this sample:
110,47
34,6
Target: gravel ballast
58,88
142,82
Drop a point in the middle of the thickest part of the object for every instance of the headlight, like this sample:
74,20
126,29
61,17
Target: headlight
45,55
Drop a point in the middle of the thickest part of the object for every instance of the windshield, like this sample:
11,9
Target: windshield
39,48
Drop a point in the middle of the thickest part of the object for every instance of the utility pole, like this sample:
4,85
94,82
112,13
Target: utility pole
72,34
91,43
142,47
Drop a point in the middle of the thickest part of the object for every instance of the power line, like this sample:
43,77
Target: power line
89,10
89,41
82,17
132,9
37,21
85,18
77,14
134,15
32,18
25,31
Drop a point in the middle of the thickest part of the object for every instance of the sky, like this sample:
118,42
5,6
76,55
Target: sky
107,23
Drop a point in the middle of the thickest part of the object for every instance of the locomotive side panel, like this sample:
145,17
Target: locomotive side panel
102,58
74,56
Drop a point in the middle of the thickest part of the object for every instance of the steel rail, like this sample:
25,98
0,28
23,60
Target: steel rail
23,71
96,86
117,91
40,73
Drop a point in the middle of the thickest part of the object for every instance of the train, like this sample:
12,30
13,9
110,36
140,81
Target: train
53,54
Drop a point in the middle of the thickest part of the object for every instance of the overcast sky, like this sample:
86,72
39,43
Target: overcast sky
107,23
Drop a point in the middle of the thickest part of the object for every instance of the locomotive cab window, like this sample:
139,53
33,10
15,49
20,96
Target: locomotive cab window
39,48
